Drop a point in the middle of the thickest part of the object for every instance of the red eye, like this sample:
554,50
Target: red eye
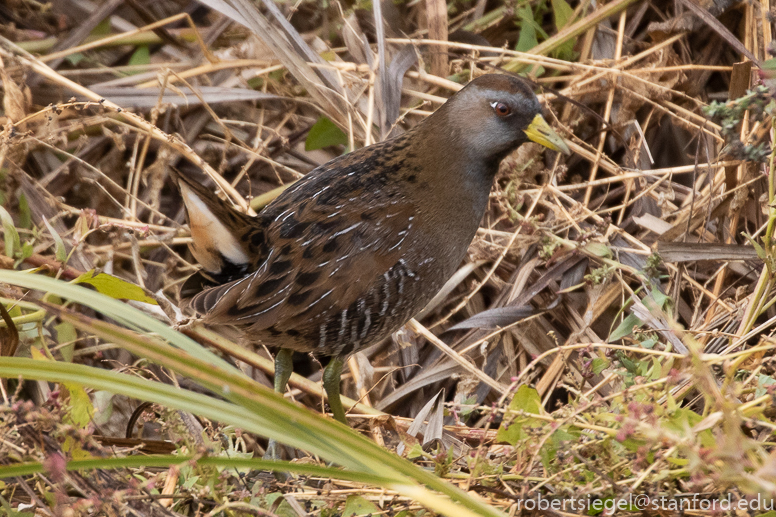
501,109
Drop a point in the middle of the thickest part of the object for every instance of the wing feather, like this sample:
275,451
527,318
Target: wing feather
326,251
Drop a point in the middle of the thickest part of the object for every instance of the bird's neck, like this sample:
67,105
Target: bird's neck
449,164
453,186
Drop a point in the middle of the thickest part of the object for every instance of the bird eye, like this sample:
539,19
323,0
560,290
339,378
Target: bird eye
502,109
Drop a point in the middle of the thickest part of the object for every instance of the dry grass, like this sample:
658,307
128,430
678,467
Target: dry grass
634,281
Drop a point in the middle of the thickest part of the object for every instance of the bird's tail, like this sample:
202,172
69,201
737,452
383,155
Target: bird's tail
216,228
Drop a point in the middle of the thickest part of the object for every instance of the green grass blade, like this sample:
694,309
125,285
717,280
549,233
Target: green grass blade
226,412
114,309
26,469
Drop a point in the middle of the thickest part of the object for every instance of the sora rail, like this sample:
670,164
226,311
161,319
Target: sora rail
349,253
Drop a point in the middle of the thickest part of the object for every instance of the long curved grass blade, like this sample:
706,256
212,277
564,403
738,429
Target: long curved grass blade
167,460
275,416
114,309
219,410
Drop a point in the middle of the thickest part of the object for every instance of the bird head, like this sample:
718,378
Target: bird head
495,114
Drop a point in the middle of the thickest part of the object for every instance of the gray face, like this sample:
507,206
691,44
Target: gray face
493,112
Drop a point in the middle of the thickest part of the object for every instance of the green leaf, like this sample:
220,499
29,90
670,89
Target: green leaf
599,249
563,435
757,248
264,412
102,28
81,409
513,430
681,462
625,328
11,236
25,217
66,335
114,287
468,405
548,453
27,250
324,133
357,505
76,58
630,365
526,399
598,365
79,414
416,451
763,381
663,300
190,482
527,39
562,12
103,406
141,56
26,469
682,422
329,55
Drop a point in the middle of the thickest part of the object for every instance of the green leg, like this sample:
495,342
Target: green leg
284,366
331,383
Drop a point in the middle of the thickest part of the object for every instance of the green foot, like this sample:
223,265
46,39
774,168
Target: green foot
284,366
332,375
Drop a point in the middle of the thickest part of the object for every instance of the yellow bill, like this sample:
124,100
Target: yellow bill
539,131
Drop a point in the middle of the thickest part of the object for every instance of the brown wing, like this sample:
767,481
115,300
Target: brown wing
326,251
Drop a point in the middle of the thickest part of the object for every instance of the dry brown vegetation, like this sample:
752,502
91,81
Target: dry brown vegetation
613,322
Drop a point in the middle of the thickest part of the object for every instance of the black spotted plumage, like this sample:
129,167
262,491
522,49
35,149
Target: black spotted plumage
323,257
